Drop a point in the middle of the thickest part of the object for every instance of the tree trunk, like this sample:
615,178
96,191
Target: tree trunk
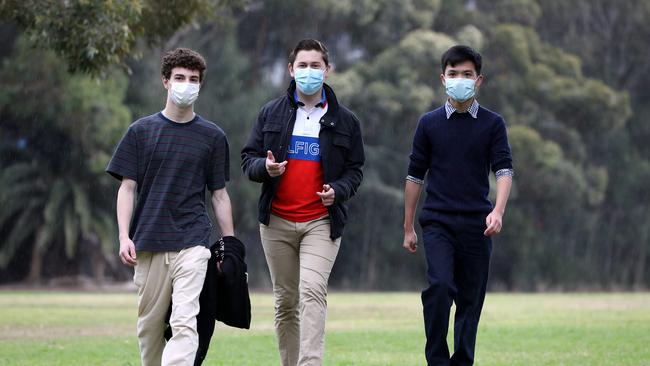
36,266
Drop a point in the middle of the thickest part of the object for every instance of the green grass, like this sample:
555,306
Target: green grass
55,328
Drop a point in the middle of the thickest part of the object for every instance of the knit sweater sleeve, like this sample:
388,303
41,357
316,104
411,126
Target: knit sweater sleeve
500,155
420,157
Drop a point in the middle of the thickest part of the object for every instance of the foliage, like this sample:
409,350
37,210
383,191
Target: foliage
92,35
568,77
59,131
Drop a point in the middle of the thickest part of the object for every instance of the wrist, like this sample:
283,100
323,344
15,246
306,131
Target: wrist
499,210
124,236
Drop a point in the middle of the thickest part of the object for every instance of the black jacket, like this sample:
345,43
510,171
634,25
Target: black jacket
224,296
341,148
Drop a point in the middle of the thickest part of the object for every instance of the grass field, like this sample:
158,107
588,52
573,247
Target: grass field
55,328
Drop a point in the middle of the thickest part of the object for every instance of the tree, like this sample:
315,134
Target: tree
92,35
59,131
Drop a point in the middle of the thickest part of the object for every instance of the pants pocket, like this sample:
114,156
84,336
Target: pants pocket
142,268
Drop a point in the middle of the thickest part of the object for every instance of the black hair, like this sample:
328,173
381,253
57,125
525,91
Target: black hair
458,54
309,45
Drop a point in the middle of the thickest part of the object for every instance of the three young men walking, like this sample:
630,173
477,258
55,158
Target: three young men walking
307,151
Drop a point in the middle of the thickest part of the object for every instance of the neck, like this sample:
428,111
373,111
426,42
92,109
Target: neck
178,114
310,100
461,107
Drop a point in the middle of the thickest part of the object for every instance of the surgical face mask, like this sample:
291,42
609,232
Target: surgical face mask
460,89
184,94
309,80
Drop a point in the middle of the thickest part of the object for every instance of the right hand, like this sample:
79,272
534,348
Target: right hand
127,252
274,169
410,240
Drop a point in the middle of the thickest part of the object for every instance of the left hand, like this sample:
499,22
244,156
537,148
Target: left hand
493,221
327,195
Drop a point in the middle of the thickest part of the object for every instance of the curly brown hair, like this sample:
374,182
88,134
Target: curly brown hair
182,57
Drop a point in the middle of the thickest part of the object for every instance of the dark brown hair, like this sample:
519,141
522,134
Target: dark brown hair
182,57
309,45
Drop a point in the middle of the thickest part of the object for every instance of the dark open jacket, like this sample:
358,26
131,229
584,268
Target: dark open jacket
341,149
224,296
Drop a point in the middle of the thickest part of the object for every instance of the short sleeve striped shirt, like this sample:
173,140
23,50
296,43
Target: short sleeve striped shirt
173,164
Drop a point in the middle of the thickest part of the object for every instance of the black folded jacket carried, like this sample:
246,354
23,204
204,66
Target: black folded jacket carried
224,296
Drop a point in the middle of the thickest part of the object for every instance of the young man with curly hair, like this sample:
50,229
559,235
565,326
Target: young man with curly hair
165,162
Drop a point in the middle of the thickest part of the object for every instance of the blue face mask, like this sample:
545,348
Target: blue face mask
309,80
460,89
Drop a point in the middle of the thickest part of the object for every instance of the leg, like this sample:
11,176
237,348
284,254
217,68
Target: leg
187,269
317,255
280,243
471,274
438,297
154,296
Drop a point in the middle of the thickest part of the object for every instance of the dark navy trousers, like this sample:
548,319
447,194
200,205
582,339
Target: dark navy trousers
458,261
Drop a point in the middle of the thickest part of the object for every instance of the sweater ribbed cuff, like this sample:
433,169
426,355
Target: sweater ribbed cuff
415,180
504,173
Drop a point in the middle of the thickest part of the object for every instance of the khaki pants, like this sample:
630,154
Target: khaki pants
164,277
300,256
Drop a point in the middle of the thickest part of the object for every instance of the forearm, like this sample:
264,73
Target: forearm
504,183
223,212
412,192
125,203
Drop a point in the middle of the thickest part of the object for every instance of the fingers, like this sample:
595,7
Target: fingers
410,243
327,195
269,155
275,169
128,259
411,247
493,228
128,255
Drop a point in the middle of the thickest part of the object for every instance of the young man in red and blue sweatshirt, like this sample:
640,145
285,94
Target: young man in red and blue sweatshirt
456,146
306,150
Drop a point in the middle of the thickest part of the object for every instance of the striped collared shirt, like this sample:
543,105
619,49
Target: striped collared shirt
473,109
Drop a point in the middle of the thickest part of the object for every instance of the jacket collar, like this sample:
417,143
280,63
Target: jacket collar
329,119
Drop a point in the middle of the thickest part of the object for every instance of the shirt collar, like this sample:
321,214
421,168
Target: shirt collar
473,109
322,103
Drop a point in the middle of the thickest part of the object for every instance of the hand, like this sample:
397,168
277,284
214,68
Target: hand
274,169
410,240
493,223
127,252
327,195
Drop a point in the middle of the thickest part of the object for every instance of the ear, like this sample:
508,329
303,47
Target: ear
290,68
165,82
328,68
442,80
479,80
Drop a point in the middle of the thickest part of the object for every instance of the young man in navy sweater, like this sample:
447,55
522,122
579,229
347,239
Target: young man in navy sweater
457,144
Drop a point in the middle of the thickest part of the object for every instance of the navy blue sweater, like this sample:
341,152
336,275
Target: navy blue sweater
458,154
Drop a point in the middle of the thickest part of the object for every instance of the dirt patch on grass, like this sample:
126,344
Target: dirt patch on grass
44,332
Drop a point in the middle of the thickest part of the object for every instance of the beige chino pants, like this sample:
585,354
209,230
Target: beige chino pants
164,277
300,256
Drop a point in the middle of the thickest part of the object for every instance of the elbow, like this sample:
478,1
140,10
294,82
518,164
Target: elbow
128,185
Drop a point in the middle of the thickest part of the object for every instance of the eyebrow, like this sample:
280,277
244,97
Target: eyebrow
465,71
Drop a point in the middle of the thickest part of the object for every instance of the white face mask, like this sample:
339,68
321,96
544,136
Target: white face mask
184,94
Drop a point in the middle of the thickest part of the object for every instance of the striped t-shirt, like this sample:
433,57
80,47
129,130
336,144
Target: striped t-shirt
172,163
